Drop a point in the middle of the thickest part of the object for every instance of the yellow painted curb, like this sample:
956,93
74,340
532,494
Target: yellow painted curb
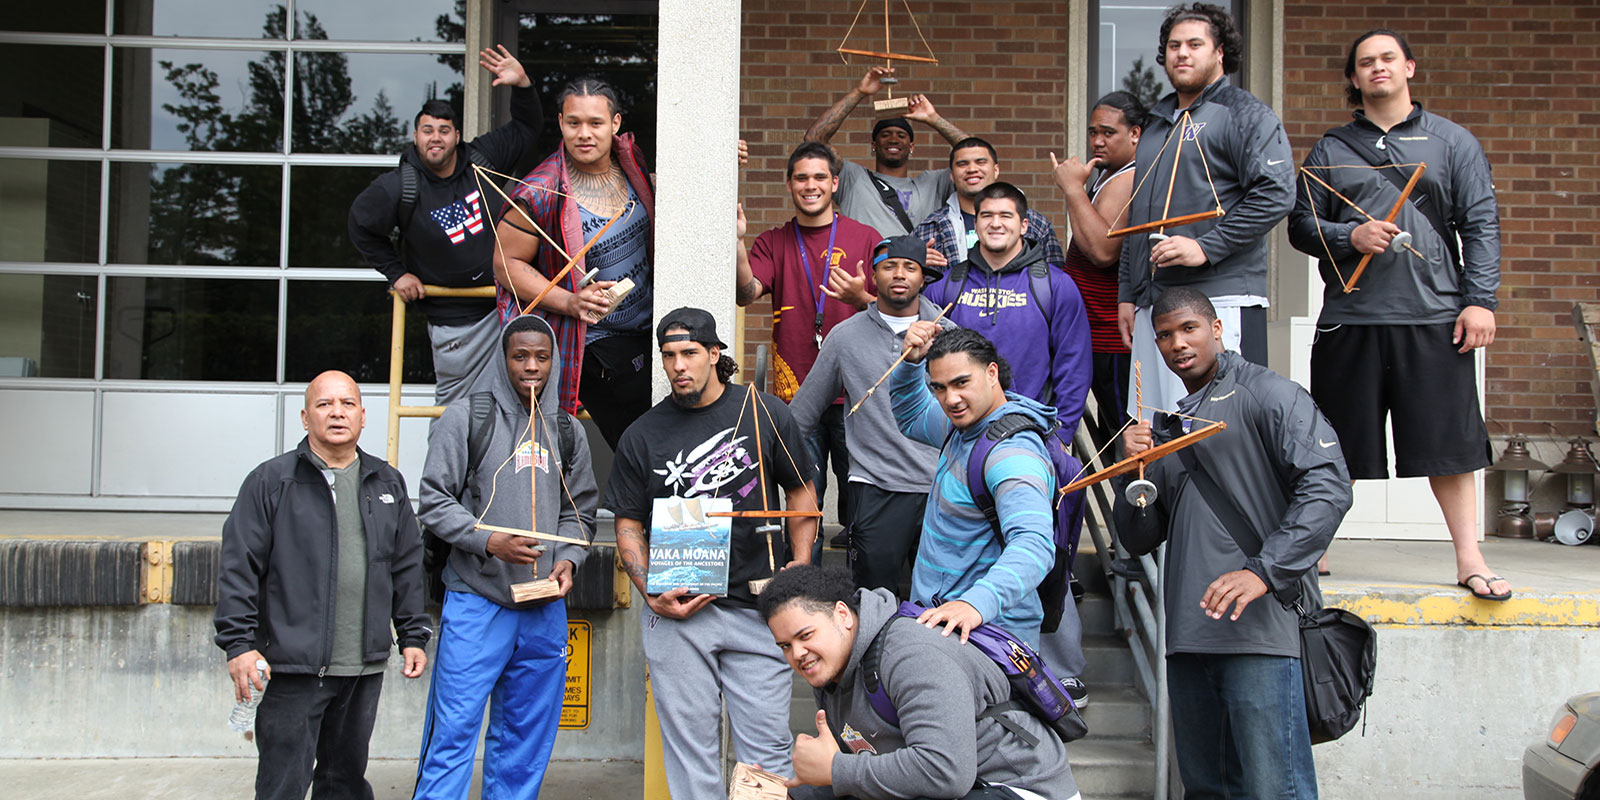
1406,605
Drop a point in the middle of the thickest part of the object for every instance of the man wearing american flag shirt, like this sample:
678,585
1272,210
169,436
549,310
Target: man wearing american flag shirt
434,198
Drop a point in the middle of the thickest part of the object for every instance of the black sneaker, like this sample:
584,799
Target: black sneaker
840,540
1077,691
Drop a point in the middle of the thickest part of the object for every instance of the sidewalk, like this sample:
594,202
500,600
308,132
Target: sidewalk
125,778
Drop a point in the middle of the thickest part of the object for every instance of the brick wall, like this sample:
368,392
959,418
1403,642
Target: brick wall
1001,75
1519,75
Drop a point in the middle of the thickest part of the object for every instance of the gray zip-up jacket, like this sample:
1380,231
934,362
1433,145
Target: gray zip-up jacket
1400,288
504,486
854,356
939,686
1280,462
1252,170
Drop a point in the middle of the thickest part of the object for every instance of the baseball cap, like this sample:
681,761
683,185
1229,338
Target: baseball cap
897,122
698,326
910,248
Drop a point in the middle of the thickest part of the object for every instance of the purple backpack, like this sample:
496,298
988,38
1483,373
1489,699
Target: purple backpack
1068,518
1034,688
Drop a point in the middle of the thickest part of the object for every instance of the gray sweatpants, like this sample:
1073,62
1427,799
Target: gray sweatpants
727,650
1063,650
460,354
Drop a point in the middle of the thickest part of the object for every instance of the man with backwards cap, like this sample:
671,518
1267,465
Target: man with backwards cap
889,474
701,441
887,197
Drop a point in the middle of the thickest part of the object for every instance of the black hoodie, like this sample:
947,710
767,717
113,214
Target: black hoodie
446,240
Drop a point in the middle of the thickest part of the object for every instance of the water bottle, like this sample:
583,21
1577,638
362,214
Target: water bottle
243,717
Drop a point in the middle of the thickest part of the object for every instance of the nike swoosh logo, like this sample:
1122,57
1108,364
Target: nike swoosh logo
477,276
1275,163
1321,443
1224,397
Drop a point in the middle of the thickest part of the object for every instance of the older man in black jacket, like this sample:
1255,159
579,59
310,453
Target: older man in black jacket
1246,511
320,552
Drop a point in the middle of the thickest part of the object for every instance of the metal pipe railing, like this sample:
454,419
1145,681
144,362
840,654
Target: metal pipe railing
1140,618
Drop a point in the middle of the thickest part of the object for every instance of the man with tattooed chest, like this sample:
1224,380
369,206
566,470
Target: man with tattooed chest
598,176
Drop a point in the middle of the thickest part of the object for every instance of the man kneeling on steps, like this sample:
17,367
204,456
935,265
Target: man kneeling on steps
951,740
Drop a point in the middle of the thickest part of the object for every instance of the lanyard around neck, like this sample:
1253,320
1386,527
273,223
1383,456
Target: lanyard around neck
805,263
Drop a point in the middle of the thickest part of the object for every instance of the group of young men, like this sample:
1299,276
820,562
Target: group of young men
951,289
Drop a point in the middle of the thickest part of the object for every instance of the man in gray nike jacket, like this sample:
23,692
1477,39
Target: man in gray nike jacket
1246,511
1421,309
1235,156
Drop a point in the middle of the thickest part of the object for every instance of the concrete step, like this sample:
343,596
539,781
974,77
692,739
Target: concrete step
1117,712
1112,768
1109,661
1096,612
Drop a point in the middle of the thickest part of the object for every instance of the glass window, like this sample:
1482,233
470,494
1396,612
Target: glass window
191,329
49,210
363,102
167,99
618,48
47,326
381,20
242,19
203,214
319,210
54,106
65,16
346,325
1124,54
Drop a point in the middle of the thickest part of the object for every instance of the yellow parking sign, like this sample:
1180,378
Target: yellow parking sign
575,702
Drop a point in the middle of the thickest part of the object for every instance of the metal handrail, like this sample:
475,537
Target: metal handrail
1138,610
397,357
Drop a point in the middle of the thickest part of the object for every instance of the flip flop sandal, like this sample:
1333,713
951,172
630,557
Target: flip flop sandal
1485,594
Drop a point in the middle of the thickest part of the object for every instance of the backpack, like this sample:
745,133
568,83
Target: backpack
1034,688
436,551
411,182
1068,519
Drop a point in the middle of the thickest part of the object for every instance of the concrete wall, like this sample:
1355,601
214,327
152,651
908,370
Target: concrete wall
1463,687
148,682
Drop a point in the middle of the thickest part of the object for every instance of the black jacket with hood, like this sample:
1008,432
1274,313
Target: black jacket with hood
276,581
566,502
459,199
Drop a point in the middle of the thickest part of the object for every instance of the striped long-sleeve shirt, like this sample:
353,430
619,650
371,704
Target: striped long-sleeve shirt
960,558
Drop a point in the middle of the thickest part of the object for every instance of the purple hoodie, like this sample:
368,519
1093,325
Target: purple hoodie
1048,349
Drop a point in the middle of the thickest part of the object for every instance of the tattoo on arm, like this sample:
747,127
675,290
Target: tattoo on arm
951,133
630,549
749,291
828,124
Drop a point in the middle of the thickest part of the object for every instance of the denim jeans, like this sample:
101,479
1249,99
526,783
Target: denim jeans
1239,727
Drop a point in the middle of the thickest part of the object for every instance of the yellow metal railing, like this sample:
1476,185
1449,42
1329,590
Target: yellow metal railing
397,357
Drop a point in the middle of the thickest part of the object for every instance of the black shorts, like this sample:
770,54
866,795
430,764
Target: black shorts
1412,375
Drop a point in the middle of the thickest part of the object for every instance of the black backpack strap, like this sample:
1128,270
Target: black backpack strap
891,198
478,431
409,182
568,438
998,711
1421,200
876,696
478,157
1039,282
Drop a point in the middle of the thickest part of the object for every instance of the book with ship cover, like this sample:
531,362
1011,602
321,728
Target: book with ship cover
687,547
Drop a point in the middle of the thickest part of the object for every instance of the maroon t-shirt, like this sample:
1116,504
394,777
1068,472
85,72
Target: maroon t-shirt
775,261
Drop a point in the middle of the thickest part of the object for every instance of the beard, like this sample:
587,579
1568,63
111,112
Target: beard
898,303
689,399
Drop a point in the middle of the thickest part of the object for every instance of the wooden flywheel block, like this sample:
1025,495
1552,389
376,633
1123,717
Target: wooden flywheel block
893,105
749,783
534,590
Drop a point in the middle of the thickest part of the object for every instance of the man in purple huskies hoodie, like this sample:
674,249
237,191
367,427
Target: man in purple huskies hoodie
1033,314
